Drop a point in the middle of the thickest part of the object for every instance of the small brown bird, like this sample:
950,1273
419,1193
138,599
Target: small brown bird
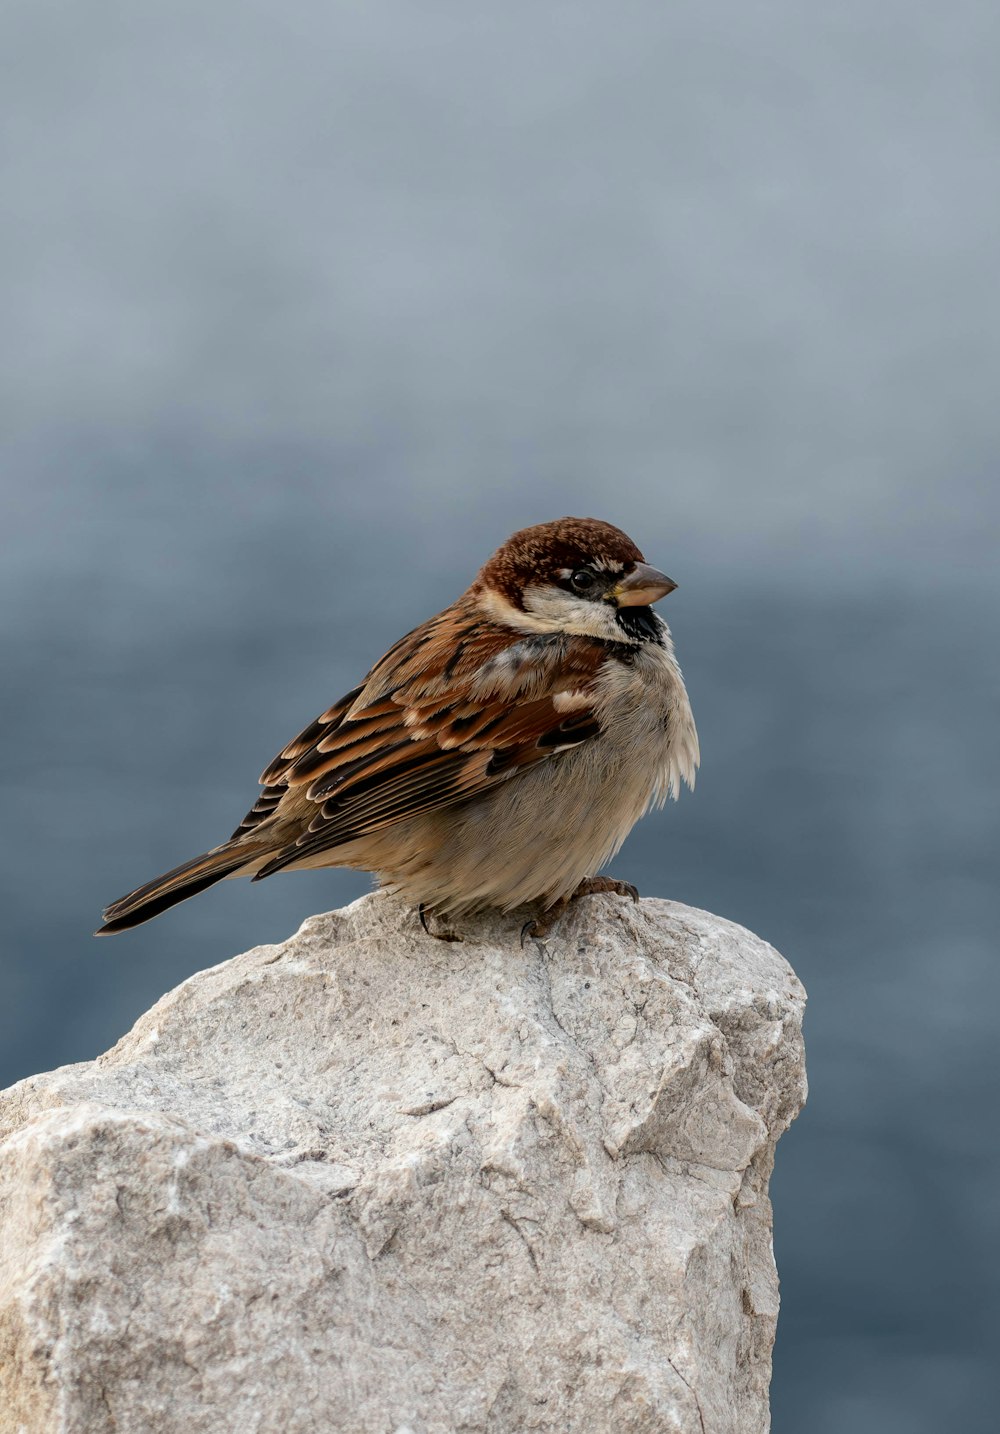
496,756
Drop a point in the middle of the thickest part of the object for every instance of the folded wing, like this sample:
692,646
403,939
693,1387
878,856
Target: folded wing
431,733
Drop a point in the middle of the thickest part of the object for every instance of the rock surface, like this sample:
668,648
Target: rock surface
370,1181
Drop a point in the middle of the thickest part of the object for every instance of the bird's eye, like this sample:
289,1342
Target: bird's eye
582,580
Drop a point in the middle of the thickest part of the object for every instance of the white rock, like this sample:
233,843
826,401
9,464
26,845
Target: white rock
370,1181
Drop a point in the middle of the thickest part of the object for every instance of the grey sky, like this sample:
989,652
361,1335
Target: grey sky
732,266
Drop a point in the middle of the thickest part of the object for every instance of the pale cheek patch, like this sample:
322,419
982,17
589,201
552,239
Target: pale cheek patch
554,610
496,606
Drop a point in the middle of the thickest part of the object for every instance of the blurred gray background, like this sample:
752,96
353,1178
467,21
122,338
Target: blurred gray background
307,306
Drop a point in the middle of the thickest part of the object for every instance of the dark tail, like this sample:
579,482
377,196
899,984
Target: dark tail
177,885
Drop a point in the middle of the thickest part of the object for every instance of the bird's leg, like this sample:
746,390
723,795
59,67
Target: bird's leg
439,934
538,929
595,885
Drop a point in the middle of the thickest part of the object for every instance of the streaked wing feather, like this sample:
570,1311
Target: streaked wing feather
430,730
306,741
262,808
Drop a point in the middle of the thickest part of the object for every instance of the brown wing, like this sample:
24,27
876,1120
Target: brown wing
272,778
431,729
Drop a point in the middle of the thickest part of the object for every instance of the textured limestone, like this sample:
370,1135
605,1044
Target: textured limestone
369,1181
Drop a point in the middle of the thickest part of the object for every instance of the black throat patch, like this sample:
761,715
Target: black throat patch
640,624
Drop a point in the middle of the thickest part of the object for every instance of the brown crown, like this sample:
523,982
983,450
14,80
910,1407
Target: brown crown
535,555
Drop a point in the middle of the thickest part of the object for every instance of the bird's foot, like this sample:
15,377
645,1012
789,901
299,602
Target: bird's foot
596,885
539,928
439,932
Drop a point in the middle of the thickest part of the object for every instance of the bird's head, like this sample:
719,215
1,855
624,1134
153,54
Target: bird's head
575,575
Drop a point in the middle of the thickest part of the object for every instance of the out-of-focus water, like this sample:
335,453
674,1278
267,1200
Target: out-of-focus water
846,810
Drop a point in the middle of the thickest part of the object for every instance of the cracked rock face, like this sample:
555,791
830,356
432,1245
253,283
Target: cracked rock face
370,1181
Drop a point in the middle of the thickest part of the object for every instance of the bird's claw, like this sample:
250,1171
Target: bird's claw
437,935
606,885
539,927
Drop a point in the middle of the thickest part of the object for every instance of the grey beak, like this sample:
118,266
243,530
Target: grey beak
643,586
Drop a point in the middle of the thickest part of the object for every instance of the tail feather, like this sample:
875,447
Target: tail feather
174,886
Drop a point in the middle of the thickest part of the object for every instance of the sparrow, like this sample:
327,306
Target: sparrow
496,757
